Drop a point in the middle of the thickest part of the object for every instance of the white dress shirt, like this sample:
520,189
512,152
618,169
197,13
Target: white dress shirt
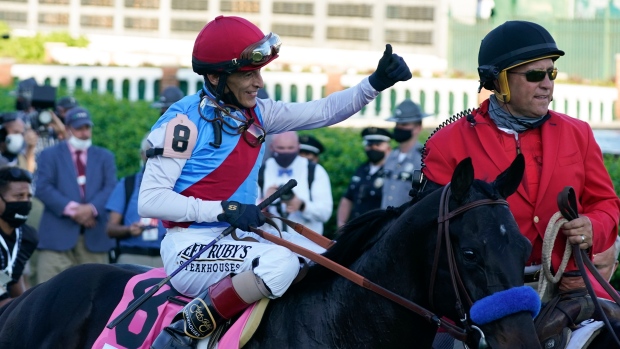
318,209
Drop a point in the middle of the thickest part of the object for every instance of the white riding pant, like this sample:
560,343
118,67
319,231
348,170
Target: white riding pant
277,265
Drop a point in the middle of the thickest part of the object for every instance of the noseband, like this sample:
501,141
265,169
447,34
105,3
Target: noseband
443,231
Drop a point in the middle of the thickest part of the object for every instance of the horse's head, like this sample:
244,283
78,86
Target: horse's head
480,251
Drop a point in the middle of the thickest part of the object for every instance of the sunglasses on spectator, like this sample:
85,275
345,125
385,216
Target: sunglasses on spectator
538,75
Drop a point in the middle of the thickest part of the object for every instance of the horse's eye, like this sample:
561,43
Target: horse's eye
469,255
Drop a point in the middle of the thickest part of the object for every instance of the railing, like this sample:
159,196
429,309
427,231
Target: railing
441,97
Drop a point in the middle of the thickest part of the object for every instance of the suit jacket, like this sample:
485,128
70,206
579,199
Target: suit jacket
571,157
56,186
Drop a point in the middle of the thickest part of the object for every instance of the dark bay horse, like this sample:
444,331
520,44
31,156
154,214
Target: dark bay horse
394,248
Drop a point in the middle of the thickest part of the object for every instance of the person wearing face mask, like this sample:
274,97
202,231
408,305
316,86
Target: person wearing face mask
138,239
17,239
365,190
74,181
310,148
310,202
17,144
407,157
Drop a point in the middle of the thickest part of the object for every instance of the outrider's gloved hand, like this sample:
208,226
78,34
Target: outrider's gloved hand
241,216
391,69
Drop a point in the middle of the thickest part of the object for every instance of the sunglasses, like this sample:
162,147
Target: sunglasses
262,51
538,75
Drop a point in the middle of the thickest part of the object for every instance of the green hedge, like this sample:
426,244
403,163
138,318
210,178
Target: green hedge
120,126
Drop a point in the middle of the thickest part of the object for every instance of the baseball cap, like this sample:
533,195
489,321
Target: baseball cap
78,117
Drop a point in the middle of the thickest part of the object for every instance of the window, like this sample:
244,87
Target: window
54,18
345,33
103,3
142,23
54,2
10,16
294,8
347,10
183,25
247,6
298,31
142,3
198,5
415,37
420,13
97,21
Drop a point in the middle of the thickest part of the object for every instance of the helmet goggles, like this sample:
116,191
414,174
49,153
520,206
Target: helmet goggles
262,51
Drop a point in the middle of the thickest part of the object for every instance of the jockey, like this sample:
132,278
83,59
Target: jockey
203,169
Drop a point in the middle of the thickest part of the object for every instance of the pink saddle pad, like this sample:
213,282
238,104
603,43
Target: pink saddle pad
140,329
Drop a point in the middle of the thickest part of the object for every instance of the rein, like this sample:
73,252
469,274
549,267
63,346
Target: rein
567,204
359,280
445,215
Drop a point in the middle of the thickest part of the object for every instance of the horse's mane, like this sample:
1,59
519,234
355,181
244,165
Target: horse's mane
354,238
358,235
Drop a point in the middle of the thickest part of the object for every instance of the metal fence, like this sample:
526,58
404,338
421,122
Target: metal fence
442,97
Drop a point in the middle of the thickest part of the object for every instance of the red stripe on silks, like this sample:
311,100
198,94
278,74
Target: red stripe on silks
225,180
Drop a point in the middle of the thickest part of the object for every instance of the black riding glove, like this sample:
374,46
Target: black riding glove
241,216
391,69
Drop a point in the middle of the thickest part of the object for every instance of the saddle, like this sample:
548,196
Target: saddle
140,329
561,316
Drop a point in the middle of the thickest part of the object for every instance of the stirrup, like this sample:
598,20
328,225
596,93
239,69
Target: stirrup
174,337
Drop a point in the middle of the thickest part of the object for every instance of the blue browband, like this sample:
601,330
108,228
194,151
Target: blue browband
504,303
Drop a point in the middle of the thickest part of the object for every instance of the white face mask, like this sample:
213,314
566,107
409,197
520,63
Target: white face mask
79,144
14,143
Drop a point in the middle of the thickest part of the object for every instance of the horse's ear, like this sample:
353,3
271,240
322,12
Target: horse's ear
508,181
462,178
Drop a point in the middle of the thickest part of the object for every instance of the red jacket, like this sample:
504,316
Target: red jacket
571,157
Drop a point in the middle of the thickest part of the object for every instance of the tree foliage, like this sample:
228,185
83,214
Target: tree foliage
31,49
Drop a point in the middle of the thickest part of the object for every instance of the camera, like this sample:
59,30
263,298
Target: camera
41,99
287,195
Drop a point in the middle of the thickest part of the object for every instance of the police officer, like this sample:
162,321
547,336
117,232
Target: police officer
310,148
365,190
407,157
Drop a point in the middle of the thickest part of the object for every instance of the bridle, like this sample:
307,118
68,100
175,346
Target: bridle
443,231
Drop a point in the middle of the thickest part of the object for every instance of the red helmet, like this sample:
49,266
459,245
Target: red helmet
229,44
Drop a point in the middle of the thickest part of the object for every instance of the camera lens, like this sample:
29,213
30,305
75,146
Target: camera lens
45,117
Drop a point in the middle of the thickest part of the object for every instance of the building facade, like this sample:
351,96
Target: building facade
418,26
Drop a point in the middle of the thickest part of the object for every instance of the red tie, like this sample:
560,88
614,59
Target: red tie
81,170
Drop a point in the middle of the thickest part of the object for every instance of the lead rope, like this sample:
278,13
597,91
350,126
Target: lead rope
555,223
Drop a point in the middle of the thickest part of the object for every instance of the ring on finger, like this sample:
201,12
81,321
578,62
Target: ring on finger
583,238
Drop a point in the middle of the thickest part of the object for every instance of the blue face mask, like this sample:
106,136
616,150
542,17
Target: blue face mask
284,159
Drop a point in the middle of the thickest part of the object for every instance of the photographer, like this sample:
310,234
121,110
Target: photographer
36,106
310,202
